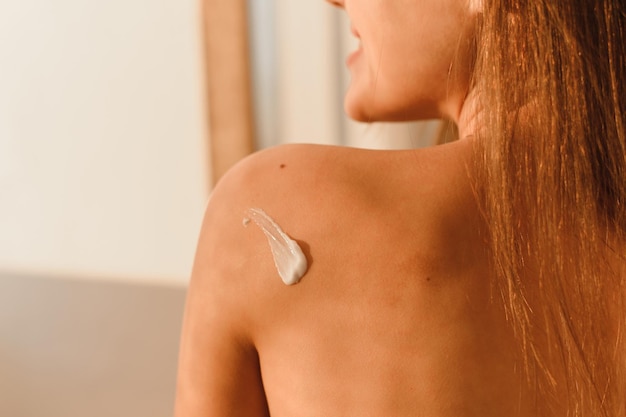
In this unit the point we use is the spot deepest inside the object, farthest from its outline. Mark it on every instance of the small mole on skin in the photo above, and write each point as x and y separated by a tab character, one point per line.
282	166
428	279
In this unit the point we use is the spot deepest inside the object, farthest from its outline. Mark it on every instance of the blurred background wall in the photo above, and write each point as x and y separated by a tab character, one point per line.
102	138
103	182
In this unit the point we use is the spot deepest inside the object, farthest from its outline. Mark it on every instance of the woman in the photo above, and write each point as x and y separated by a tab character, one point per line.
478	278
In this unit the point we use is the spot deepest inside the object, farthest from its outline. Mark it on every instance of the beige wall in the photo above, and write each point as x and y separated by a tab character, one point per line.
309	86
103	178
103	166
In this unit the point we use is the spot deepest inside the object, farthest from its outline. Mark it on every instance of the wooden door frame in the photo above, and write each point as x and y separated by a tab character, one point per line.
228	81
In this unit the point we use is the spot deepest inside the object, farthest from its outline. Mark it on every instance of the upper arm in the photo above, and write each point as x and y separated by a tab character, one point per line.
219	372
235	292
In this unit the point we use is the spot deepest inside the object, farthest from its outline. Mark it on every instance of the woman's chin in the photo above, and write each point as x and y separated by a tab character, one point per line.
361	112
363	109
357	114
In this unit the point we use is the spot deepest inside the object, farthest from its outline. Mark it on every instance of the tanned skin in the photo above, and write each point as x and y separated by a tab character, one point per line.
395	316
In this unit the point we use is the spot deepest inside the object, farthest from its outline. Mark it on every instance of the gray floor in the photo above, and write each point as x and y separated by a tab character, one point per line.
79	348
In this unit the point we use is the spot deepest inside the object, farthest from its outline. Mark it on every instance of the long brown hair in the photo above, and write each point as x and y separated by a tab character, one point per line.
550	76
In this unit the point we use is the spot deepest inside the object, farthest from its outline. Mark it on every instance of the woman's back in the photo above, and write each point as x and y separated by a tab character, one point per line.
395	315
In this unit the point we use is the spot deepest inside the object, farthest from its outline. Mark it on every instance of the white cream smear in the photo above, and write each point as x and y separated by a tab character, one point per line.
288	256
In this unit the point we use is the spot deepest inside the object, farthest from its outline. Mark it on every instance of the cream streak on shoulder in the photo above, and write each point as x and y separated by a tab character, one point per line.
288	256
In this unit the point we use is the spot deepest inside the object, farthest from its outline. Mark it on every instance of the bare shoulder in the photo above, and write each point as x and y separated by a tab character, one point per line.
322	196
287	178
234	279
351	211
302	187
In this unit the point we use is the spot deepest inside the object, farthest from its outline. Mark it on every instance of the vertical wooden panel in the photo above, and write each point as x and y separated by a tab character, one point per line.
229	86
